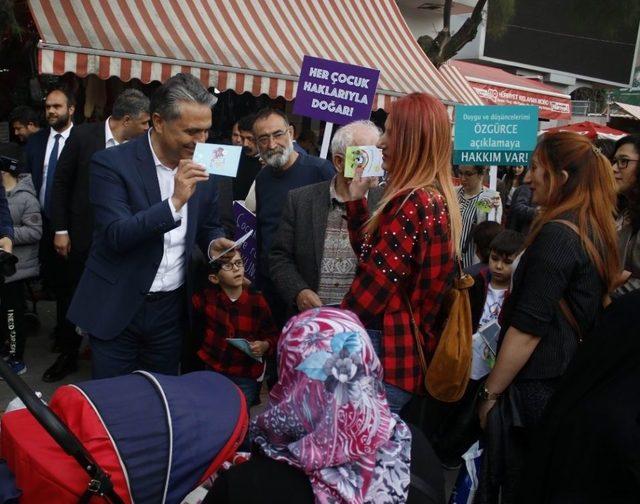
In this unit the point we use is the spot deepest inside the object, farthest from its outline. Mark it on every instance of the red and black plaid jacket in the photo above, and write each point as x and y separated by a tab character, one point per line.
412	250
248	317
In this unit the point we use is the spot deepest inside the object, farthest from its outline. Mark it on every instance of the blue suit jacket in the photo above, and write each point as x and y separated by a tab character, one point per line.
35	149
128	238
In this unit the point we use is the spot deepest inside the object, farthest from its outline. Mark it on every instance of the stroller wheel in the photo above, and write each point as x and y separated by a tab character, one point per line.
31	323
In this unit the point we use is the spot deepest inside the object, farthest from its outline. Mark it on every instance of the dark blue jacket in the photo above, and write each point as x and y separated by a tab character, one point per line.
128	239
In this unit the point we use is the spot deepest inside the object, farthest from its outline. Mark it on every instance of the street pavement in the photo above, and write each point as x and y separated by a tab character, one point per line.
38	357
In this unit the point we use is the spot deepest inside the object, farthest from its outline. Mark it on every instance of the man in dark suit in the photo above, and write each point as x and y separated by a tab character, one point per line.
42	152
151	205
311	260
71	210
24	122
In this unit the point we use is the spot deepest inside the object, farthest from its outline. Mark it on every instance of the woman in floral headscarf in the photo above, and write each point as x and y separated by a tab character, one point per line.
328	435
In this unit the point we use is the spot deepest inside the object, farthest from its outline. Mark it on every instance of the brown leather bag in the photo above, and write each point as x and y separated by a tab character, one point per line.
447	375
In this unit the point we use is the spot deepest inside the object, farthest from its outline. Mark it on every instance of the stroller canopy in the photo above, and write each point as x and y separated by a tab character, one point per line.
168	433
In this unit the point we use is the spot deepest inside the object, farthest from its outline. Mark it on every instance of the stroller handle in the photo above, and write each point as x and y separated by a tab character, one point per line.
59	432
47	418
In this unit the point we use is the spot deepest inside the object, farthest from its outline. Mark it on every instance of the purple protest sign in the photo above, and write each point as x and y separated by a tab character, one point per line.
245	222
335	92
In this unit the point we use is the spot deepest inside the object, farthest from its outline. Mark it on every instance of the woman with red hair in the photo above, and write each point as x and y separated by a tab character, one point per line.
569	266
406	249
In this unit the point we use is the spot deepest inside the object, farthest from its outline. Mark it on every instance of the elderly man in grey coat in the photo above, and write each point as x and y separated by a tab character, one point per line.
311	260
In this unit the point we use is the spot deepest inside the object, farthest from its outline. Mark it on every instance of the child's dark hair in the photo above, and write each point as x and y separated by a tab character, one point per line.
482	236
214	267
507	243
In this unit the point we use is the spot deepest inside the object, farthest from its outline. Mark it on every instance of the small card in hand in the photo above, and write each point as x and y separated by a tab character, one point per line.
243	345
485	348
218	159
367	157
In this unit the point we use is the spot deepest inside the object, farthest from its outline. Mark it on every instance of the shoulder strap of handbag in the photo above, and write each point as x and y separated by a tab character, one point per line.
591	248
415	330
568	314
564	306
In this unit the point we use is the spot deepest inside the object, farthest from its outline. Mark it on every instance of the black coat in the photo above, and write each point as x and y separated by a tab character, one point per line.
262	480
522	211
71	209
587	448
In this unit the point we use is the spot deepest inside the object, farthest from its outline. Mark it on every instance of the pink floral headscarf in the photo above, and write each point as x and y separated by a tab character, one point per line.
328	414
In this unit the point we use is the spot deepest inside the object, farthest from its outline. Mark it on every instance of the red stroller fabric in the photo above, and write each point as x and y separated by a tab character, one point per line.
43	471
156	436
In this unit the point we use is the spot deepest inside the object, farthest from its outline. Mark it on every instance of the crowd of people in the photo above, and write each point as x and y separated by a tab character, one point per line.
136	242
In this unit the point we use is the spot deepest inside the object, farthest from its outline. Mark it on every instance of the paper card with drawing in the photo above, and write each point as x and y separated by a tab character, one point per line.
243	345
218	159
368	157
485	348
237	244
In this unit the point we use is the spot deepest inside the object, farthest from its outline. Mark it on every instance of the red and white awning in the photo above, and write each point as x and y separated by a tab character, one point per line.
625	110
497	87
243	45
589	129
461	87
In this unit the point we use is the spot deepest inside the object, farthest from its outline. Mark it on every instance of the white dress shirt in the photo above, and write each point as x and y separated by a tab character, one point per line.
109	139
172	269
64	135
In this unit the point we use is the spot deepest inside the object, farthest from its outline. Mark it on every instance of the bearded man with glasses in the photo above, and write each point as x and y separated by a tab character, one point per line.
285	169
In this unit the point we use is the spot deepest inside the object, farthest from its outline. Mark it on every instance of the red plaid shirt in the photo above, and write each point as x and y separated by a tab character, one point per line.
410	249
248	317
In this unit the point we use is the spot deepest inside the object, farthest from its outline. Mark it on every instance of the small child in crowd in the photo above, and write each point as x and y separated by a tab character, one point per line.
233	311
491	286
487	296
482	235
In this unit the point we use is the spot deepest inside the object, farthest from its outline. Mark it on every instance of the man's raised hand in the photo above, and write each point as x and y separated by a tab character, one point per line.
187	176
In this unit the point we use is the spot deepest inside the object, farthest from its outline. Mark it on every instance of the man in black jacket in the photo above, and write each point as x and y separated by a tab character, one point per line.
71	211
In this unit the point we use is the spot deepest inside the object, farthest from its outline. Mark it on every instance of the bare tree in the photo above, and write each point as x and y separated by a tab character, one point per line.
445	45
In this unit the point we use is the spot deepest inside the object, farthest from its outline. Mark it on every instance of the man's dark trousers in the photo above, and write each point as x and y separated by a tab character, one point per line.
152	341
56	276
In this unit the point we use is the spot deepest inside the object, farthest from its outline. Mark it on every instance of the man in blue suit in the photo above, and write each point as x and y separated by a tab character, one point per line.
152	204
42	152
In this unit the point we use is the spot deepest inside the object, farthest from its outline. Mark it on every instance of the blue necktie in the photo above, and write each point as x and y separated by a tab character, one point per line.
51	171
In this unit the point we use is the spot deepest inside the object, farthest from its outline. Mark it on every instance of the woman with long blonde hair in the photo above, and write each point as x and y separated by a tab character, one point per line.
406	249
563	277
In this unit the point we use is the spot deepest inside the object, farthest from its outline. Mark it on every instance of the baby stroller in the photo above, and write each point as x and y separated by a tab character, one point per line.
141	438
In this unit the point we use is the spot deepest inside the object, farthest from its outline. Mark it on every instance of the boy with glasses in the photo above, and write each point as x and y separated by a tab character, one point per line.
231	311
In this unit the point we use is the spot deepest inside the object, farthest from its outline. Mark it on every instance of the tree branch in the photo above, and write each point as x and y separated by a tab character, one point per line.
446	16
445	45
466	33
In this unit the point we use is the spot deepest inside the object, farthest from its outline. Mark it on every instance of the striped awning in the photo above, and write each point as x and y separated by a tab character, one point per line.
497	87
464	92
244	45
